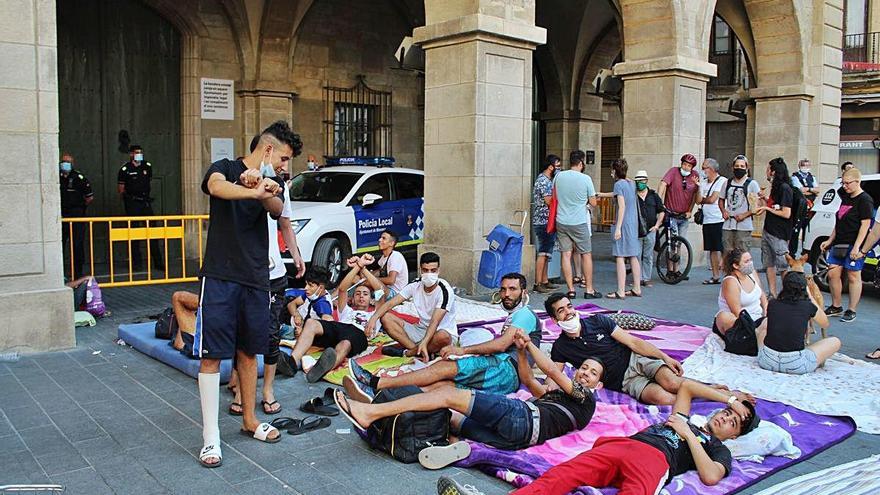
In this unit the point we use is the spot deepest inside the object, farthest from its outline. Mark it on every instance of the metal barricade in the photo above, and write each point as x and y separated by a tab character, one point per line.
113	237
606	212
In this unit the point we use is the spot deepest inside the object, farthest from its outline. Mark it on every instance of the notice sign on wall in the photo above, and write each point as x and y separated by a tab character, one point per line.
222	148
217	99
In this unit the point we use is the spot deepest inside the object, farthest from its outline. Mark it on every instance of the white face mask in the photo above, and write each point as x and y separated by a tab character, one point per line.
139	157
430	279
312	165
313	297
684	173
805	170
747	268
379	295
570	326
266	170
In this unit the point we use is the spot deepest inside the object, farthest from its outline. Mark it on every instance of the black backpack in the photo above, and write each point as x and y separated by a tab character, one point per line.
799	208
740	338
405	435
166	325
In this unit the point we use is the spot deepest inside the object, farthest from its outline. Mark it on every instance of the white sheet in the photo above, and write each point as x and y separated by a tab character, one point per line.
466	310
860	477
843	387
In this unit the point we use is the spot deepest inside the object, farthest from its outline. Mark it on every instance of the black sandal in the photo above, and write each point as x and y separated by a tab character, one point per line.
323	406
307	424
632	293
593	295
233	412
267	405
614	295
571	295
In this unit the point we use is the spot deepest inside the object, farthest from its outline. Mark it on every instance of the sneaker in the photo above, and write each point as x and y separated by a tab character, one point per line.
325	364
833	310
358	372
848	316
357	390
438	457
448	486
286	365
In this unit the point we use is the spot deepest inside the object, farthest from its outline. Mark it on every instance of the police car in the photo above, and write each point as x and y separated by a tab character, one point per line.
343	208
822	219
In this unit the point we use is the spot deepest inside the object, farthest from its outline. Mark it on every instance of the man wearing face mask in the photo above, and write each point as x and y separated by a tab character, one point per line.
680	190
652	211
76	195
133	186
489	366
632	365
738	200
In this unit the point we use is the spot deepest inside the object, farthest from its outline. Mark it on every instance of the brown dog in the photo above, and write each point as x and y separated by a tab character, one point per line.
797	265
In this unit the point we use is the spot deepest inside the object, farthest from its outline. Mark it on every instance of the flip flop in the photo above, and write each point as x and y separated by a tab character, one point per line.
876	354
632	293
262	433
317	405
233	412
347	412
307	424
593	295
283	423
614	295
571	295
267	405
325	363
711	281
441	456
207	451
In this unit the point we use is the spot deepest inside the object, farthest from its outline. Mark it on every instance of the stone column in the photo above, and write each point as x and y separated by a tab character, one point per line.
478	107
577	129
39	309
664	111
782	123
264	102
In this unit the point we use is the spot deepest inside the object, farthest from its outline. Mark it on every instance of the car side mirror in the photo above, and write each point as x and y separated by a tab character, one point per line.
370	199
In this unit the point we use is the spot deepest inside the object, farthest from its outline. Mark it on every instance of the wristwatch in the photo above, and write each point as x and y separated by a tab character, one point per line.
731	400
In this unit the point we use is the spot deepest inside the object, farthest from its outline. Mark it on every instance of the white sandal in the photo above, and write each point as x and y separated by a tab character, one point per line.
262	433
209	451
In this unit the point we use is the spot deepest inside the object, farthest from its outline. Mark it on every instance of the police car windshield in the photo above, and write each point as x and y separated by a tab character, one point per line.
322	187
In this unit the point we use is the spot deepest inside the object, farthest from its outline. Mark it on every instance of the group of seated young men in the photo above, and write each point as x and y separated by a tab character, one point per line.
474	387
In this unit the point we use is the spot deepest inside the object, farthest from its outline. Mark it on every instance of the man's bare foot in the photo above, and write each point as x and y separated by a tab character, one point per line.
356	412
252	427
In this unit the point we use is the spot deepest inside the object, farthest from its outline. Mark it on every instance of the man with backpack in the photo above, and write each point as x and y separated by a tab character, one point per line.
805	188
737	203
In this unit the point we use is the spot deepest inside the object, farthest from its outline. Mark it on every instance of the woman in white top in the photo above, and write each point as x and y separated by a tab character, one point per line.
740	290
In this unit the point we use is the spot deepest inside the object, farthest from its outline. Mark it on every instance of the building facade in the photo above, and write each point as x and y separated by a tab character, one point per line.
471	91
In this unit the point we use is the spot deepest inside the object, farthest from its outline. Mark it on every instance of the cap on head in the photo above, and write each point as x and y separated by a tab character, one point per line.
752	421
689	158
641	174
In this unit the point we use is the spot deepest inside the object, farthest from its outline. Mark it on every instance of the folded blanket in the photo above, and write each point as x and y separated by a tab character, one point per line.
843	387
860	477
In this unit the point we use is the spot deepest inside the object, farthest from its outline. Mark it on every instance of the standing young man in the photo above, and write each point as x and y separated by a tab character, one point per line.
435	303
233	317
133	186
76	195
574	191
680	190
777	223
542	192
738	198
392	265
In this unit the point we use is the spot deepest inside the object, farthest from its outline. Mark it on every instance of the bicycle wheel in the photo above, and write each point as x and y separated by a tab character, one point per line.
674	260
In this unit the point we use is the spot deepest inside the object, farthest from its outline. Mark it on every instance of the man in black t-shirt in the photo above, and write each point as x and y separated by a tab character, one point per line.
233	316
632	366
646	461
777	223
495	419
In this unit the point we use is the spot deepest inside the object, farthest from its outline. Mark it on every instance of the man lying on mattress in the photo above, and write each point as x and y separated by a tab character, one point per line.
489	366
185	305
341	337
643	463
495	419
632	365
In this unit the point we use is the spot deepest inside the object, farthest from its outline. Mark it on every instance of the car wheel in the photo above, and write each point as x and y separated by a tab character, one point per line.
820	272
331	253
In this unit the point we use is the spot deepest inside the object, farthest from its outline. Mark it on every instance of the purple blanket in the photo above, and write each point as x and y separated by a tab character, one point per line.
619	415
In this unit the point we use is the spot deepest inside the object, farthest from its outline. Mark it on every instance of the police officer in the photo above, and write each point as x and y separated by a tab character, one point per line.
133	185
76	194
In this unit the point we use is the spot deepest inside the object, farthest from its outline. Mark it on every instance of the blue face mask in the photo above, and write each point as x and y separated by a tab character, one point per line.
139	157
66	167
266	170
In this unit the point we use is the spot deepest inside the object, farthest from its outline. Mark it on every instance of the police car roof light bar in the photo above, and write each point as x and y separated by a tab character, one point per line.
369	161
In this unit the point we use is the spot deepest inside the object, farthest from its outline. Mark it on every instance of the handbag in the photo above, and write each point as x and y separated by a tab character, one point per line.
740	339
643	227
698	216
551	216
840	251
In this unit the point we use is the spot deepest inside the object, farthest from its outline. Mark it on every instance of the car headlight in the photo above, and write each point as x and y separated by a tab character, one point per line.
299	224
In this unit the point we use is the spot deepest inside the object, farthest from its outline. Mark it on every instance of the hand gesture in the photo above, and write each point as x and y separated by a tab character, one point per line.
250	178
352	262
451	350
422	351
680	426
270	186
366	260
674	365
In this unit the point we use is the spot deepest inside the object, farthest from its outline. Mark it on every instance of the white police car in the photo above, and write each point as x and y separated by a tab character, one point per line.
343	207
822	220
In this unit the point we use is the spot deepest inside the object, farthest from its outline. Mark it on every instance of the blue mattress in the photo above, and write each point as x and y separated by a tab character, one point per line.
141	336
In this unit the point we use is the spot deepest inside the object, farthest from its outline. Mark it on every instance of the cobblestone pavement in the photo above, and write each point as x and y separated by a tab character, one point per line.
103	418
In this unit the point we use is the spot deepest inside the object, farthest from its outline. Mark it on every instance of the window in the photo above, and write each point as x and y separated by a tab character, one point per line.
722	37
855	17
322	187
377	184
357	121
409	186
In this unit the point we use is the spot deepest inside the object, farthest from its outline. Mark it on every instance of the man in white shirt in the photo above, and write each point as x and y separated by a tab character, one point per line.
392	265
434	301
711	188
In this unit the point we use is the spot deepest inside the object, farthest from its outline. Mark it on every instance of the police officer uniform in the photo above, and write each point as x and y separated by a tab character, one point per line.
75	190
136	198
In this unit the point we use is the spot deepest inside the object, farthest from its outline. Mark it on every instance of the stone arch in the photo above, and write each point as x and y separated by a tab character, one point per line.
734	14
778	42
602	55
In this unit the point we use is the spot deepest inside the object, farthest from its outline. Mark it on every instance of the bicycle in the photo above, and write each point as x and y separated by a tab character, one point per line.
672	249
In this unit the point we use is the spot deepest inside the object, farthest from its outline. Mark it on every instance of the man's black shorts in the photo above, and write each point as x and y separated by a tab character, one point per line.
231	316
335	332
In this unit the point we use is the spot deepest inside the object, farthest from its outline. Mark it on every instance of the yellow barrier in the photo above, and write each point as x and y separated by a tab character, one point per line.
606	212
114	230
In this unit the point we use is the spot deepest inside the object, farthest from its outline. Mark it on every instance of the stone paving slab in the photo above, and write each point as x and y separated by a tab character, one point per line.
116	421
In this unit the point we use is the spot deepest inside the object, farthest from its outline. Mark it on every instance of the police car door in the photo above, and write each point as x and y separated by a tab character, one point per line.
409	195
372	215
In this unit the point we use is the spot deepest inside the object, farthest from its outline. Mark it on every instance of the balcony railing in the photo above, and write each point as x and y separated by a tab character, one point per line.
861	52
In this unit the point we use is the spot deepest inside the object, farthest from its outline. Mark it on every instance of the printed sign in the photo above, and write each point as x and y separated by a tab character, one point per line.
403	217
222	148
217	99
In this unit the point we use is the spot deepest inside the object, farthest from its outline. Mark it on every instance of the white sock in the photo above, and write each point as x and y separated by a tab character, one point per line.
209	394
